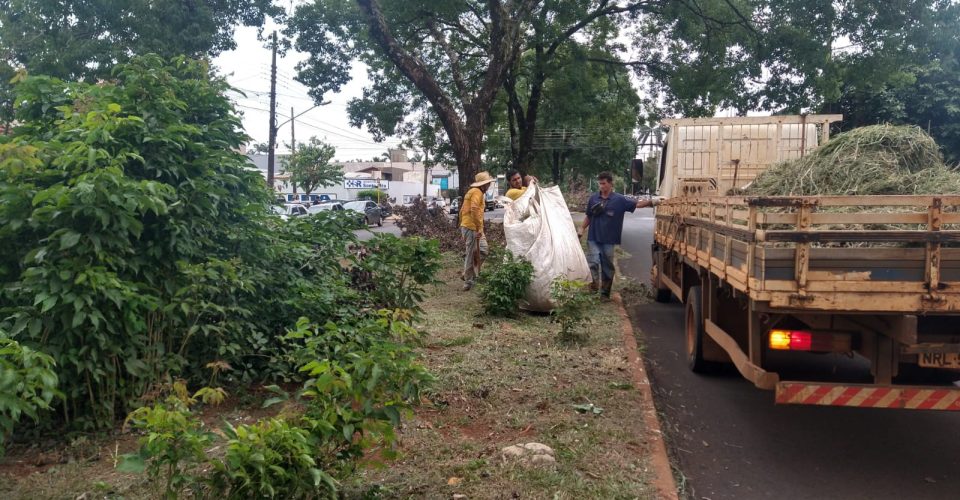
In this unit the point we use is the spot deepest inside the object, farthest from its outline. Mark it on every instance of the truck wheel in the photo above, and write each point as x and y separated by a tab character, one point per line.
694	332
661	293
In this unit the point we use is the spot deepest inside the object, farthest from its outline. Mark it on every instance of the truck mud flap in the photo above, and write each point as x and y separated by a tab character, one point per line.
869	396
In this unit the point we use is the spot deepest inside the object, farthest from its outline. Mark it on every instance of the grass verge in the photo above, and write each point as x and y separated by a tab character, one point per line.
501	382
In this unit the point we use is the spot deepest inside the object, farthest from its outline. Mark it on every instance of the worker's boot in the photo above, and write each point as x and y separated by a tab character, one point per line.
594	286
605	288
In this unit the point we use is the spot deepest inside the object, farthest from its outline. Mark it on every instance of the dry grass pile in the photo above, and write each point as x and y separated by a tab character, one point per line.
874	160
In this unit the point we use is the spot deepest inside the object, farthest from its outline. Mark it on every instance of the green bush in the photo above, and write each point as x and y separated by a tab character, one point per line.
573	304
173	447
28	384
372	194
360	377
503	282
139	246
115	198
270	459
396	271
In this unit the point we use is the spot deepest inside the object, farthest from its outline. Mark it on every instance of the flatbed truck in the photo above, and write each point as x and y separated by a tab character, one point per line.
872	277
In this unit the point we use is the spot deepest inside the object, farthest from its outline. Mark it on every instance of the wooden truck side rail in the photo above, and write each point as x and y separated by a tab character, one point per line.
879	273
794	251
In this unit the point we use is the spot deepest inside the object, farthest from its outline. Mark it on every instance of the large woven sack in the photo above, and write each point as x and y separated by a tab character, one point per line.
538	227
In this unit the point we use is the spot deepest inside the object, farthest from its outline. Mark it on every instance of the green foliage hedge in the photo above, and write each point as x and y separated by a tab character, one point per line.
139	247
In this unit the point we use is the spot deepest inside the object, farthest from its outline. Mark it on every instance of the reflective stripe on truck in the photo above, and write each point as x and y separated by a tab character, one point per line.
869	396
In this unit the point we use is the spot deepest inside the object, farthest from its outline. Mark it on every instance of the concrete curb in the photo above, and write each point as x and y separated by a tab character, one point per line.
663	481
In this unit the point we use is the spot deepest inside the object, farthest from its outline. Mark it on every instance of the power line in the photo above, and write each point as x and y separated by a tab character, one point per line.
343	134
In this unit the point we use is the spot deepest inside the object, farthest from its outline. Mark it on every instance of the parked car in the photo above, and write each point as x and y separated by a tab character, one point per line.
288	210
386	210
370	211
490	204
323	207
455	206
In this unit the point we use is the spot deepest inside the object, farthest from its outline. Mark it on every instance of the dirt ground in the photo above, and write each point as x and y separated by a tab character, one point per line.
502	382
83	467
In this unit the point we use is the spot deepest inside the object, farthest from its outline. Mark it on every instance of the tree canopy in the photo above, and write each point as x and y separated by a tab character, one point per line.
309	166
586	114
84	39
922	89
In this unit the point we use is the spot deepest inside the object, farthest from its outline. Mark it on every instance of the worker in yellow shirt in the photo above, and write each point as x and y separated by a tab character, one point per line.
518	184
471	228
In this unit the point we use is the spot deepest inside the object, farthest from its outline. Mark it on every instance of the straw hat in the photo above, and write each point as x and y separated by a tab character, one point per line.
481	179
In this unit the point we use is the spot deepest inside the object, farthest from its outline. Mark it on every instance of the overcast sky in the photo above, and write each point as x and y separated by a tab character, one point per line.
248	69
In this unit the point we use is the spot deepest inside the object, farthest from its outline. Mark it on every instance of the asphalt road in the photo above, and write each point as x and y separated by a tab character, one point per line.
729	440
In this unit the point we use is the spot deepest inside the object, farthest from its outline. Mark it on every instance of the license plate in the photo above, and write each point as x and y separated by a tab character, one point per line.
940	360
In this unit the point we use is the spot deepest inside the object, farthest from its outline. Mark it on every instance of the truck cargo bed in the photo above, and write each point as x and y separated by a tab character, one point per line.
824	253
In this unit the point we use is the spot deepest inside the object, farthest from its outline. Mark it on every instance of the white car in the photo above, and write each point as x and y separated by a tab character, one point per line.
323	207
289	210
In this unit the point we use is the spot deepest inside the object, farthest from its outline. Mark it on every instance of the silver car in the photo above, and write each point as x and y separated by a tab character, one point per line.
369	210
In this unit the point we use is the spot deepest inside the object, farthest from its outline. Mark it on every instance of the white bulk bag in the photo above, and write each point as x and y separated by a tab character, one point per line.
539	228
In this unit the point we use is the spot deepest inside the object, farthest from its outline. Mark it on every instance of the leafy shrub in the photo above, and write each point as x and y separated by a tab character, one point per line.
573	303
139	244
270	459
28	384
503	282
174	443
398	270
360	377
115	198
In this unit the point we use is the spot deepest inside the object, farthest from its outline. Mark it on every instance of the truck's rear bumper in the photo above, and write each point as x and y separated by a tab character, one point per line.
869	396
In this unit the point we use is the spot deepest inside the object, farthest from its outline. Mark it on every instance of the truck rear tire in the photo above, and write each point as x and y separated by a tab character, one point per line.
694	332
661	293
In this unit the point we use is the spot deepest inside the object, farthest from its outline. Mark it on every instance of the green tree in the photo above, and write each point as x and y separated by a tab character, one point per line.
922	90
310	166
84	39
585	114
450	57
785	56
259	148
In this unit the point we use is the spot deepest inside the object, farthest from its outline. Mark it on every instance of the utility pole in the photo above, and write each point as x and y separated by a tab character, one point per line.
272	143
293	145
293	136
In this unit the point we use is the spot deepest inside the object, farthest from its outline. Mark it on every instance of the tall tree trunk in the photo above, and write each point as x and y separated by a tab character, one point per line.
466	140
469	160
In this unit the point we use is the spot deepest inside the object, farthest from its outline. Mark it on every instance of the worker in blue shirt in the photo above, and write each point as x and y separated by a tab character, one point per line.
604	220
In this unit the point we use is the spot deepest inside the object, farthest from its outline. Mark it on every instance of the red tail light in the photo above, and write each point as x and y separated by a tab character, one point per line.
802	340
